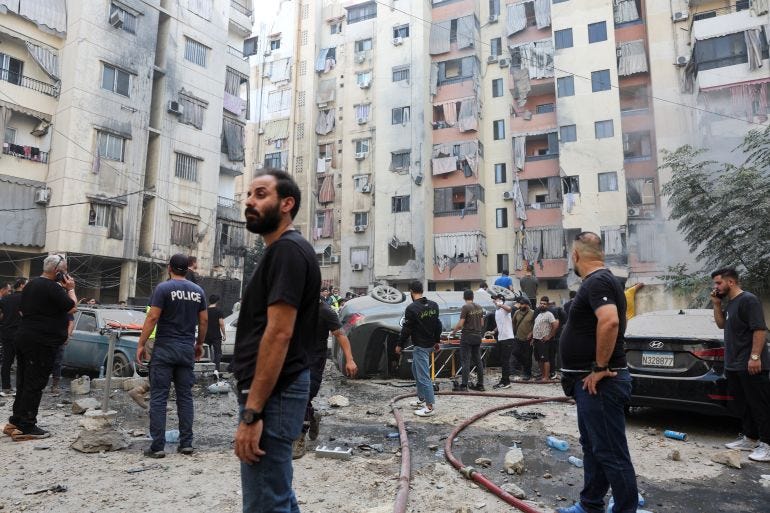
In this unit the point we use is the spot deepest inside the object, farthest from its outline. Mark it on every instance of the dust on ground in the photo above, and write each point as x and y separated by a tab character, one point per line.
210	480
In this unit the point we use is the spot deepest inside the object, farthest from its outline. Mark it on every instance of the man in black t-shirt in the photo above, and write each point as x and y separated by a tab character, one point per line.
45	303
747	361
9	315
471	323
276	332
594	372
215	333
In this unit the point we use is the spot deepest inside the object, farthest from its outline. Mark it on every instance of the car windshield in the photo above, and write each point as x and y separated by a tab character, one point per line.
127	319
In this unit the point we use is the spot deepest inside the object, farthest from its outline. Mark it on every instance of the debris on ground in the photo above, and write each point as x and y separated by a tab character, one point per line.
339	453
54	489
100	440
514	490
675	455
527	415
220	387
764	480
81	406
371	447
729	458
136	470
483	462
514	461
339	401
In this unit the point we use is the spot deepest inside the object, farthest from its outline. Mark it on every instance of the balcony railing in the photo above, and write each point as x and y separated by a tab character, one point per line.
241	8
462	212
235	51
228	209
535	158
30	83
544	205
26	153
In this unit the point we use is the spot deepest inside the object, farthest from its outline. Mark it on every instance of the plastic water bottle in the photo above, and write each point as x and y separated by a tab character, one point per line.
575	461
101	371
172	436
559	445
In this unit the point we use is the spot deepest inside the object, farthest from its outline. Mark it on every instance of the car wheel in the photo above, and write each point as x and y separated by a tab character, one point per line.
497	289
121	366
388	294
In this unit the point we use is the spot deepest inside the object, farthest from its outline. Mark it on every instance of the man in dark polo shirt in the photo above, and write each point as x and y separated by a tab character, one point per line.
276	333
594	372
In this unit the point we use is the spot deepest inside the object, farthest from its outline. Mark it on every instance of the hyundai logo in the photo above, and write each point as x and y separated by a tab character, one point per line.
656	344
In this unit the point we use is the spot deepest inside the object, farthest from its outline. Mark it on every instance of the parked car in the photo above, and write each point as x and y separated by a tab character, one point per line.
676	359
88	345
373	324
231	326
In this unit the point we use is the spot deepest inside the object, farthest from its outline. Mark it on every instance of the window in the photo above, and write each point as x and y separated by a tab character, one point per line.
195	52
497	88
460	200
496	46
400	160
362	12
10	69
565	86
273	160
99	215
544	108
453	31
498	129
597	32
502	262
634	98
363	45
571	184
186	167
362	146
361	218
457	70
640	191
400	73
728	50
275	44
193	111
401	31
115	80
562	39
500	174
608	181
494	7
637	145
10	135
362	112
336	27
600	80
359	182
183	233
364	78
604	129
568	133
127	20
86	322
110	146
501	217
400	115
399	204
279	100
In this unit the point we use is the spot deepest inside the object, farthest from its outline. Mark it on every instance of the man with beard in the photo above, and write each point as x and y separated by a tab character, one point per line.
595	373
276	332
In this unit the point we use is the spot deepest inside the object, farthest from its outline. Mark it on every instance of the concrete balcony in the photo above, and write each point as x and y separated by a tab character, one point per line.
241	17
229	209
541	166
552	268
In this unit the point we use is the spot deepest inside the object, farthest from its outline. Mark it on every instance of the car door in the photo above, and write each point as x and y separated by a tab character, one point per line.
83	350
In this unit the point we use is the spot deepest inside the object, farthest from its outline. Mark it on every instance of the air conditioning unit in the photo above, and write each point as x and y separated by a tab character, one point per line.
491	59
362	121
634	212
366	188
680	15
358	267
334	259
365	85
361	155
418	180
397	41
508	195
361	58
268	52
682	60
42	196
493	18
503	63
175	108
116	19
359	229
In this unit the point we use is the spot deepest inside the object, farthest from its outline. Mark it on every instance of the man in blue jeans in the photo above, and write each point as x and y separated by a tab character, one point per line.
422	325
177	306
276	333
595	373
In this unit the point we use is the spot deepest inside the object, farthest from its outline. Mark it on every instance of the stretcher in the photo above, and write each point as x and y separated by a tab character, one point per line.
445	359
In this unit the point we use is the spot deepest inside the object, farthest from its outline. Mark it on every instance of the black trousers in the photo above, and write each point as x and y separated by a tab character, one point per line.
522	351
9	354
317	365
470	354
751	402
506	350
216	352
34	363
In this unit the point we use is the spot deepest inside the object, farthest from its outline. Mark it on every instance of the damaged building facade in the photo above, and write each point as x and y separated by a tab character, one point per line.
124	134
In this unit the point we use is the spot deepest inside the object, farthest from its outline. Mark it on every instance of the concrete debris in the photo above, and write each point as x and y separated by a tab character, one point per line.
80	406
138	432
130	383
514	461
483	462
339	401
728	458
41	447
514	490
98	383
340	453
433	447
220	387
95	420
675	455
81	385
100	440
547	475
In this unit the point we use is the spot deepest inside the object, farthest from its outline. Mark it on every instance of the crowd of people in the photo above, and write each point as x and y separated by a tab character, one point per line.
281	350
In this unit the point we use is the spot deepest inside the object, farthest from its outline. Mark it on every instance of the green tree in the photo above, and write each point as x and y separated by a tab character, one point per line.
253	255
723	210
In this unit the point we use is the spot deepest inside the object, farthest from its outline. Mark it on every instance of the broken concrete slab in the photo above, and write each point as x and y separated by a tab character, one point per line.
100	440
95	420
728	458
483	462
98	383
514	461
340	453
339	401
80	406
514	490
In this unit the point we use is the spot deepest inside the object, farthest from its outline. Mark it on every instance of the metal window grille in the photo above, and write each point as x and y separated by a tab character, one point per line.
128	19
195	52
400	74
401	160
186	167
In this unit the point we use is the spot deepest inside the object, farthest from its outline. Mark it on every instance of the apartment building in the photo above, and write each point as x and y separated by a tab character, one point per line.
124	132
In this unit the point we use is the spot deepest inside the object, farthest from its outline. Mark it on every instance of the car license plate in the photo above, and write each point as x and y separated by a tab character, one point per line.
657	359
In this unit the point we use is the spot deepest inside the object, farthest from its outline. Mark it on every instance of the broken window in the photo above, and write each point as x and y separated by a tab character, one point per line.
399	204
400	160
600	80
640	191
457	200
401	31
498	129
501	217
637	145
361	218
400	255
360	182
183	233
497	88
400	115
273	160
571	184
500	173
634	98
502	262
614	240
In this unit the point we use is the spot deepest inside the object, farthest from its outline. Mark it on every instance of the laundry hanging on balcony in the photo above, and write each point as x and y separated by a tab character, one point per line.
326	192
451	249
542	13
439	37
326	120
754	48
276	129
632	58
518	199
232	134
625	11
519	152
327	59
326	90
469	115
444	165
466	31
327	231
450	112
535	56
520	85
516	18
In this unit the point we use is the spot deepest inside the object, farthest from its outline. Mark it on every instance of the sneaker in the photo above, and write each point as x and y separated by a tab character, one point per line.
315	425
761	453
149	453
137	394
743	443
501	385
187	451
298	447
478	388
9	429
34	433
575	508
8	392
424	412
417	404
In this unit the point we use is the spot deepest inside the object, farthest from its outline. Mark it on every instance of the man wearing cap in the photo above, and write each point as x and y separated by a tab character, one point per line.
177	307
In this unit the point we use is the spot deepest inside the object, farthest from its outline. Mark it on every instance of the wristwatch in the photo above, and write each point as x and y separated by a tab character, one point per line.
595	367
249	416
754	357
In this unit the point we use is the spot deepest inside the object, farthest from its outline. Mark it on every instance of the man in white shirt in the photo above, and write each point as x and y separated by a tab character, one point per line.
543	333
504	333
